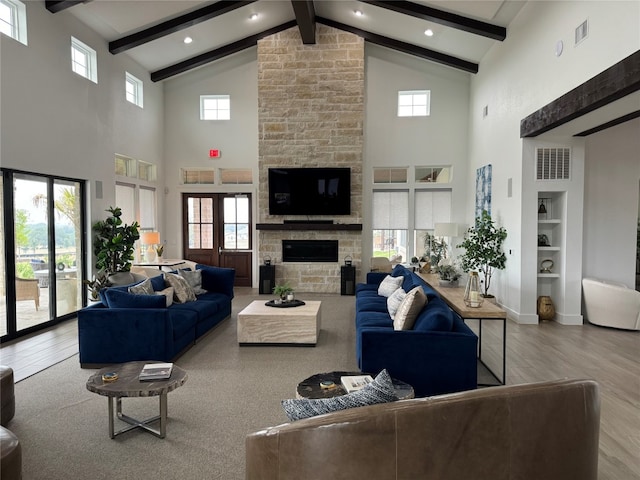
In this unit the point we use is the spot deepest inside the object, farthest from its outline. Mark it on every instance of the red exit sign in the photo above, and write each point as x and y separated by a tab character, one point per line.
214	153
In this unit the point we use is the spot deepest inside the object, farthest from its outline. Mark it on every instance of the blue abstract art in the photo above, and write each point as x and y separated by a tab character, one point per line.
483	190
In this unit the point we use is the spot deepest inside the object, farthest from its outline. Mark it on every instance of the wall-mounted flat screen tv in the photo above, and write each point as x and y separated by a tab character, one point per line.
309	191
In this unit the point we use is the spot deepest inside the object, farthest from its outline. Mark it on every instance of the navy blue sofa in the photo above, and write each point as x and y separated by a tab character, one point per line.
143	328
437	356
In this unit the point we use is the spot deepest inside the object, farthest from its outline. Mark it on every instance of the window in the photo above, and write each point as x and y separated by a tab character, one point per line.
191	176
236	222
431	207
440	174
215	107
414	103
84	60
133	89
146	171
390	223
389	175
125	166
13	20
236	176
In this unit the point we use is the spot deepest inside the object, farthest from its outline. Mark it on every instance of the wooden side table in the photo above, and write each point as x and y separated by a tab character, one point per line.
128	385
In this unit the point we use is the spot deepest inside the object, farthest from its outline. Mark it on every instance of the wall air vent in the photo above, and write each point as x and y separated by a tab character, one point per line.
582	31
553	163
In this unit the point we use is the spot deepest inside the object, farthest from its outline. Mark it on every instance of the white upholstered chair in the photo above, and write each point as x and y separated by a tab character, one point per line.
381	264
611	304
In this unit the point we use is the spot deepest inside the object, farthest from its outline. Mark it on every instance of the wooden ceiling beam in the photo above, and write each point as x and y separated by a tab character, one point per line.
217	54
55	6
404	47
175	25
441	17
610	85
306	18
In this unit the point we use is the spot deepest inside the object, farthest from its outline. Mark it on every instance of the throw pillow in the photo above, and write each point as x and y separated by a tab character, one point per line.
182	293
121	299
388	285
142	288
379	391
394	301
409	309
194	279
168	293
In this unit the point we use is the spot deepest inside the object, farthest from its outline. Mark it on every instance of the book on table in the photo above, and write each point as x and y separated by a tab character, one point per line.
156	371
353	383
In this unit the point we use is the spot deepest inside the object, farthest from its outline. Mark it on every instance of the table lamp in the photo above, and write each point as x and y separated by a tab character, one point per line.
149	240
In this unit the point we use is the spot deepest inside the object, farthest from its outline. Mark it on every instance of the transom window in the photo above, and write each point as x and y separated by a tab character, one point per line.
133	89
414	103
13	20
84	60
215	107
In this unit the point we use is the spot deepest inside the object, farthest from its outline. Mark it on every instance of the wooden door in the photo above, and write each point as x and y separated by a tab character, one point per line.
216	231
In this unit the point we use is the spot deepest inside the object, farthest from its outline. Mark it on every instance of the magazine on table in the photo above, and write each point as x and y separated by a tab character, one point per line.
156	371
353	383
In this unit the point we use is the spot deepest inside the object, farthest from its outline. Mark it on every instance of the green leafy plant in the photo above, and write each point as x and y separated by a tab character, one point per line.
24	270
448	272
434	250
160	249
100	280
114	243
282	290
483	249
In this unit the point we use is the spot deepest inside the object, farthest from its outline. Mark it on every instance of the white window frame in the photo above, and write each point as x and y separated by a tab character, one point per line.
90	70
17	24
414	103
218	112
133	89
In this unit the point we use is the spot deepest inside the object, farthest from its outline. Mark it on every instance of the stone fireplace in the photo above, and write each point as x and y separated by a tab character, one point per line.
311	114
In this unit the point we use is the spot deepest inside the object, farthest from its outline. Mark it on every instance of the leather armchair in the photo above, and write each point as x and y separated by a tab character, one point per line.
537	431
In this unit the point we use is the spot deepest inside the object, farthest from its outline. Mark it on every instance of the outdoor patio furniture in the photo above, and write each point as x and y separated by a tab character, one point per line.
28	289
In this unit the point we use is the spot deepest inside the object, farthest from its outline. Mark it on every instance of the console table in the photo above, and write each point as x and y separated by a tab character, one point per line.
488	311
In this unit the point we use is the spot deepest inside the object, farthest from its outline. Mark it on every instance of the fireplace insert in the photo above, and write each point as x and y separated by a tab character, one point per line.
309	250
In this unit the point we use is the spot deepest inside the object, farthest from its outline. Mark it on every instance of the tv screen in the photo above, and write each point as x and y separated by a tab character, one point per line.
309	191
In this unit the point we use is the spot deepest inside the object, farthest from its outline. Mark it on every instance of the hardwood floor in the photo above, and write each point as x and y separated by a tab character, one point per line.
535	353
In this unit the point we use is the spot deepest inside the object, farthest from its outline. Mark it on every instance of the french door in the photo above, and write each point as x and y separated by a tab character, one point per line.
216	230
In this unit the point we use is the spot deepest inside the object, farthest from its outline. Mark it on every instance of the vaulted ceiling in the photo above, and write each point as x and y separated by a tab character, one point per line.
153	32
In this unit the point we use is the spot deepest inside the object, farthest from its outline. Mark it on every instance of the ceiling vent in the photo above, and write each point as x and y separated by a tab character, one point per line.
553	163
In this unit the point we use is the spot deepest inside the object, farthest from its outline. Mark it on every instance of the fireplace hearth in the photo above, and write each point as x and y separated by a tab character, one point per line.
309	250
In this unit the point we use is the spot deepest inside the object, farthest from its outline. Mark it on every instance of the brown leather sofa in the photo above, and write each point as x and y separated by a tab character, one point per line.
534	431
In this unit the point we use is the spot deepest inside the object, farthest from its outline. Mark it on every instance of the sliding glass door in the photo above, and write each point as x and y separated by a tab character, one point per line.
42	251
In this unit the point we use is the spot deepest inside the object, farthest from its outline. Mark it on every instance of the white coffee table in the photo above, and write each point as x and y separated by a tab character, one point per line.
259	324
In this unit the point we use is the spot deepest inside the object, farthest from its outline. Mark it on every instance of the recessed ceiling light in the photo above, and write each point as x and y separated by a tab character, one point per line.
253	16
428	32
358	13
188	40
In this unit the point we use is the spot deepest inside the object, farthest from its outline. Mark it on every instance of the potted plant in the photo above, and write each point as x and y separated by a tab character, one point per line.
483	250
282	291
100	280
114	244
435	250
448	274
159	251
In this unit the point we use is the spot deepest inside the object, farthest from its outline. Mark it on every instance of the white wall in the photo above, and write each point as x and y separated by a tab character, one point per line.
56	122
611	199
188	139
438	139
516	78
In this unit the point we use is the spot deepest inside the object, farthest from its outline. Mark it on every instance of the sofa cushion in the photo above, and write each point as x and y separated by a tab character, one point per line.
194	279
202	308
436	316
372	304
379	391
394	301
118	299
373	319
409	309
389	285
168	294
183	292
158	283
143	288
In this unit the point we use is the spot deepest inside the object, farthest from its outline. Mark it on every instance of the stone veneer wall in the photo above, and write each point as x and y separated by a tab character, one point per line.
310	114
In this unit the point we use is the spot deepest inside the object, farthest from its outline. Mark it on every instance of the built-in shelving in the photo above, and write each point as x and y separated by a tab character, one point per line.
310	226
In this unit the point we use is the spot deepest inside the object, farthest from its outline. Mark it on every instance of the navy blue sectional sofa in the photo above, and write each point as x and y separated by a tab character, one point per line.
438	355
142	327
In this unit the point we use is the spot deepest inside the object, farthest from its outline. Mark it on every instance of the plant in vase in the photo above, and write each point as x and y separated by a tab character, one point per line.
483	250
434	250
448	274
283	291
159	252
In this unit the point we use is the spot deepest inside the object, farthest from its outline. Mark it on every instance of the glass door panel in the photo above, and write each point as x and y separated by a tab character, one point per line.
3	267
68	241
31	226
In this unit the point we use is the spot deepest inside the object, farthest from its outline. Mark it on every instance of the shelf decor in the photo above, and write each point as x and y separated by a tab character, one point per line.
472	295
546	266
546	309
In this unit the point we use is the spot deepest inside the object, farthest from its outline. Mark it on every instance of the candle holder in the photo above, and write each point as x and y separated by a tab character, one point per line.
472	295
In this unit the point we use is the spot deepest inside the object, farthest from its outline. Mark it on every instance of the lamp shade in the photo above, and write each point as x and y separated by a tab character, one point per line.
150	238
446	230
